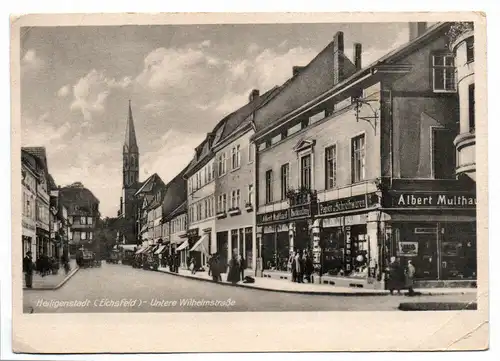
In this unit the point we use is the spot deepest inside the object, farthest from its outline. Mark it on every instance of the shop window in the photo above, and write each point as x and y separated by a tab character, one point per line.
443	73
358	158
305	171
330	167
443	153
472	109
285	174
248	247
269	186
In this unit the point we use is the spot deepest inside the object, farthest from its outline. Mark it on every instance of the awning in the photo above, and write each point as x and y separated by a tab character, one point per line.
317	223
141	250
161	248
183	246
201	245
128	247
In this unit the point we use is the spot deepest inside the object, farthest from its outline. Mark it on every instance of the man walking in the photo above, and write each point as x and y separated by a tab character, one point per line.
28	270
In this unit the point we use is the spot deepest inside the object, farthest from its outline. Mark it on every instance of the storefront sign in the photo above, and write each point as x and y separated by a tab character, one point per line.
29	226
271	217
408	249
192	233
347	204
423	200
300	211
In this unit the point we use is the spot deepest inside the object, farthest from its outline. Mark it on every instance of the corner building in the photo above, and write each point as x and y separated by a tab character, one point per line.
357	165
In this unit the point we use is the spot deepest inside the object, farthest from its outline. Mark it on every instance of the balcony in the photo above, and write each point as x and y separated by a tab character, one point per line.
234	211
221	215
249	207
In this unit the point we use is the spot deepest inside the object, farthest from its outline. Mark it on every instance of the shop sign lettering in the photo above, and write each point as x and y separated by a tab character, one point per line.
347	204
300	211
28	226
277	216
408	249
433	200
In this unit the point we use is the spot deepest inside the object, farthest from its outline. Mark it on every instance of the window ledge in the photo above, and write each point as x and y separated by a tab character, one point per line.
221	215
235	169
234	211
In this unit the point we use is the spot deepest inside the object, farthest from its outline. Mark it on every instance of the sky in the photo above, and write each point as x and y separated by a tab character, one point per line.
76	83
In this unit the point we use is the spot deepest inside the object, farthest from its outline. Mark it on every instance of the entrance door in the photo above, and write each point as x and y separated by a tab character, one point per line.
302	237
222	247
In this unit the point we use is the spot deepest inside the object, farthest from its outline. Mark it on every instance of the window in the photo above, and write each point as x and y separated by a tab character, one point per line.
83	236
250	194
443	153
90	235
296	128
83	220
269	186
222	164
238	196
276	139
70	235
262	146
330	167
285	174
358	158
251	150
305	171
209	172
205	203
235	157
212	165
472	110
233	199
224	202
89	220
443	73
470	49
198	211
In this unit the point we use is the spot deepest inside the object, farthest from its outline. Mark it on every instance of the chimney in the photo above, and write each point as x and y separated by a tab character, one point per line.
338	57
417	29
254	94
297	69
357	56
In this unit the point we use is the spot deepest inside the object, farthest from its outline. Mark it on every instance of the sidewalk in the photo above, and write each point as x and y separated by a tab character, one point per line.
52	282
275	285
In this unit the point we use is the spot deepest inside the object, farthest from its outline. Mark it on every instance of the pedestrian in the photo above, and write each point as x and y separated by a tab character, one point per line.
242	266
299	269
409	278
192	265
233	274
209	264
215	267
293	269
308	266
394	281
28	269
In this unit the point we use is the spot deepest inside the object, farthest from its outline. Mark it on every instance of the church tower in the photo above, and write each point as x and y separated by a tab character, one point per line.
130	171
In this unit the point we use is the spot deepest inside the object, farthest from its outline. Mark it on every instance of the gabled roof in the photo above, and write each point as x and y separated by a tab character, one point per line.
387	62
176	212
40	155
321	74
149	184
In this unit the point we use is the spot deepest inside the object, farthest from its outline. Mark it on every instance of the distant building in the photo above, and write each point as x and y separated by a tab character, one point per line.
148	197
129	204
83	213
59	225
29	179
37	159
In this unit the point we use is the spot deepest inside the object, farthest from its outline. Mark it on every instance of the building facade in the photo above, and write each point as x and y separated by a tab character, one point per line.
200	178
462	45
28	182
234	183
177	222
363	168
83	214
59	225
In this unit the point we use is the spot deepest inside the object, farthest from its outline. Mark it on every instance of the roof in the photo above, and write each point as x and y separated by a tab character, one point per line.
176	212
130	143
243	115
77	195
326	70
149	184
389	59
175	193
40	154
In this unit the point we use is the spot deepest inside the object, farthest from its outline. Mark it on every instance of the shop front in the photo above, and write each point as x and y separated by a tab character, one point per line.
346	237
437	233
200	245
29	237
275	241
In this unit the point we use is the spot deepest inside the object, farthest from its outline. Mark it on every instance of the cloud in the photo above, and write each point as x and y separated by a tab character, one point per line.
31	62
63	91
174	67
91	91
38	131
205	44
172	152
252	48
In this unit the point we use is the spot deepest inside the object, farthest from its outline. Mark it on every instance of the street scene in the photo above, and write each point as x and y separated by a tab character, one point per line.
234	168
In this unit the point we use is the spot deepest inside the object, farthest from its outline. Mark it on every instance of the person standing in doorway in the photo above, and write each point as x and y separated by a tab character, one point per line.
242	266
233	274
28	269
299	269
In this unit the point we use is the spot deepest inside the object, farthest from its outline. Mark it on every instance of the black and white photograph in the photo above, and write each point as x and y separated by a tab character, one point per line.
248	167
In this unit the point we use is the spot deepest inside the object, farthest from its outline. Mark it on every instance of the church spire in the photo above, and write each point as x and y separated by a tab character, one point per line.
130	140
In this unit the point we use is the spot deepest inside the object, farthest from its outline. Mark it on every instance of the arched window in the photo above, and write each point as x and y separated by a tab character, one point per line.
132	161
125	161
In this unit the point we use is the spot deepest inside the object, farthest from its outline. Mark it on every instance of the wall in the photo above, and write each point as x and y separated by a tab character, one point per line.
338	130
237	179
